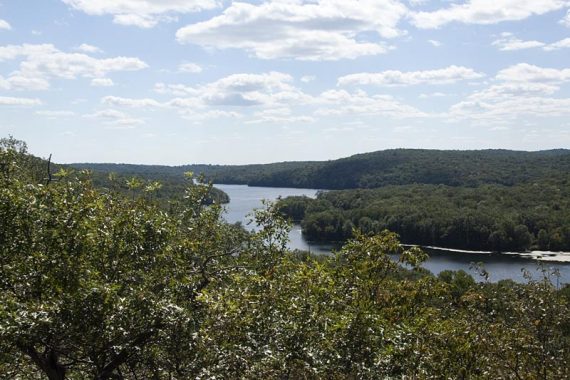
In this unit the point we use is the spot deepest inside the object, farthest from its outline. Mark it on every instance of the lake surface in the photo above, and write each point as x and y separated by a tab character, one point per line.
244	199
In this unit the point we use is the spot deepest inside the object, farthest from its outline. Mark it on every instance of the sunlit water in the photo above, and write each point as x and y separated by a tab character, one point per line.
244	199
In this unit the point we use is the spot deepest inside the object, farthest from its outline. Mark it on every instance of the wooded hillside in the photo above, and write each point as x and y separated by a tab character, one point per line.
382	168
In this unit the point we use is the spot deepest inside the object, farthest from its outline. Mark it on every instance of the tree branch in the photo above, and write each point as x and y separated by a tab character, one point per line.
48	181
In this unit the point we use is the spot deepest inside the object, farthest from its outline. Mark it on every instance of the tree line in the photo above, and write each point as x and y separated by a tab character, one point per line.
383	168
489	217
163	183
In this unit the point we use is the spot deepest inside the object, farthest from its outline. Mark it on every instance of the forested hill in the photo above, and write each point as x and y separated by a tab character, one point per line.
170	182
166	185
382	168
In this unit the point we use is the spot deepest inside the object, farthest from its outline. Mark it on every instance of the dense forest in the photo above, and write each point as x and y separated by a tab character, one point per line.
383	168
163	182
97	283
494	200
490	217
409	166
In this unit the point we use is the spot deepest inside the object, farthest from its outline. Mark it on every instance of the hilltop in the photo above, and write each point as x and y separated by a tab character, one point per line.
377	169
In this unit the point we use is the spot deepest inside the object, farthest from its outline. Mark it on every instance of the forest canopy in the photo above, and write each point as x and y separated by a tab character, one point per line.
496	200
383	168
489	217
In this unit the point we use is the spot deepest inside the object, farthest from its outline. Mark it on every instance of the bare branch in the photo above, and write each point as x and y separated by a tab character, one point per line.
48	181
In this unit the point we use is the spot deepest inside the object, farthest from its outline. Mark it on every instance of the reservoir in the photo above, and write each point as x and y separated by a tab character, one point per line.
244	199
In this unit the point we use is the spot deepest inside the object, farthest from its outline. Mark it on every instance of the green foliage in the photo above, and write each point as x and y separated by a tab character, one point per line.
15	162
294	207
162	185
486	200
91	280
489	217
353	317
109	285
384	168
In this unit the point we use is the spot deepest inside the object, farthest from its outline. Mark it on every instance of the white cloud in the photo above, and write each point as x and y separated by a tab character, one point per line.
242	90
562	44
522	90
107	114
192	115
446	75
266	98
253	89
142	21
5	25
127	122
114	117
282	115
133	103
18	82
510	107
310	30
102	82
39	63
10	101
508	42
432	95
435	43
141	13
507	89
308	78
189	67
415	3
55	114
4	84
174	89
185	104
526	73
86	48
191	108
341	102
566	20
485	12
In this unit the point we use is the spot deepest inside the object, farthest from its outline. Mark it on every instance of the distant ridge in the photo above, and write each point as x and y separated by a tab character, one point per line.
377	169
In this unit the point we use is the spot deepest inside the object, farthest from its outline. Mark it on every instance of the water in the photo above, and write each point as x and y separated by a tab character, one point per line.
499	266
244	199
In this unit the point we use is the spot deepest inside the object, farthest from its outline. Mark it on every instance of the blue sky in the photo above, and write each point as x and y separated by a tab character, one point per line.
211	81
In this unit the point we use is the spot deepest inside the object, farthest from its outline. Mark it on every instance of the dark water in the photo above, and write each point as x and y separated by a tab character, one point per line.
245	199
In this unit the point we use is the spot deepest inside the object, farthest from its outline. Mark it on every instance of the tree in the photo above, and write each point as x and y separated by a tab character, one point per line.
543	240
90	281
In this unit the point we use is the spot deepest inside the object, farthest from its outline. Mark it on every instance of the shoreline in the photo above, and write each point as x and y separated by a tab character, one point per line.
547	256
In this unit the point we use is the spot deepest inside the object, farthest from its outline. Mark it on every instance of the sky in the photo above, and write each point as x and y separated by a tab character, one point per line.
234	82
